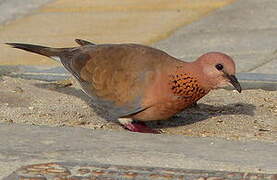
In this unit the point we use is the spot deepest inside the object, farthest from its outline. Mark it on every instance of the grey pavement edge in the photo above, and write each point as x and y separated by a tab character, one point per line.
11	9
23	145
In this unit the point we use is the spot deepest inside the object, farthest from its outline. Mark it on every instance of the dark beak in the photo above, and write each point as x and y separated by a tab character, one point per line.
234	81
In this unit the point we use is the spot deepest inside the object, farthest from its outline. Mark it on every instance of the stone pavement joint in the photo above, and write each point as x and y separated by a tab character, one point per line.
90	171
267	60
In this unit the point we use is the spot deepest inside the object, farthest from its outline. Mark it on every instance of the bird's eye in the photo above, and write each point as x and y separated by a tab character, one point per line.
219	67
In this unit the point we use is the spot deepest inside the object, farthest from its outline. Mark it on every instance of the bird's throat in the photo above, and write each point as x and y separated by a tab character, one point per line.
185	87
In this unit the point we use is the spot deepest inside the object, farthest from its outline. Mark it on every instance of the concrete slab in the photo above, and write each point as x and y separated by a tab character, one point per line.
245	30
24	145
242	46
243	15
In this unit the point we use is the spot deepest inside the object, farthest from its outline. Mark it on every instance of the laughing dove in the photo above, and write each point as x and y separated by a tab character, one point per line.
138	83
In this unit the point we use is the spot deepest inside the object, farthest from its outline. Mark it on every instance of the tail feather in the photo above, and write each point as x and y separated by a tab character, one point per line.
42	50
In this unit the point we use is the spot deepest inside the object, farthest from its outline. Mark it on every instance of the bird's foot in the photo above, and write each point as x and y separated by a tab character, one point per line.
138	126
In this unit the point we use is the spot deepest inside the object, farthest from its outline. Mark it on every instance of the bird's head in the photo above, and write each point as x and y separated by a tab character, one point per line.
218	70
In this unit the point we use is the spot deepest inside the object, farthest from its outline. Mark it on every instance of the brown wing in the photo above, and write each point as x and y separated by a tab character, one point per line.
115	76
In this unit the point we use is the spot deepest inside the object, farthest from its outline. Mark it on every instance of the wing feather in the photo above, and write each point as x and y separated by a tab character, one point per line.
115	76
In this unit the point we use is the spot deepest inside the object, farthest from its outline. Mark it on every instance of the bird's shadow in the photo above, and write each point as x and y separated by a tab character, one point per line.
201	112
191	115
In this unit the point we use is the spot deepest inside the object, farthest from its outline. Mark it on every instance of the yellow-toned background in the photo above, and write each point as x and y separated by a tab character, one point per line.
101	21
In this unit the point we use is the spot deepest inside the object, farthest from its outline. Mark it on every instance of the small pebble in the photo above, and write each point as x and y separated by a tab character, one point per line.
31	107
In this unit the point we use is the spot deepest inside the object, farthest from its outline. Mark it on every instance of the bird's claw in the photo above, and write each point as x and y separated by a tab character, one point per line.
140	127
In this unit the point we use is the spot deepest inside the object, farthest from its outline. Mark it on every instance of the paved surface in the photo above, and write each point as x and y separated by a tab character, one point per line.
28	145
244	29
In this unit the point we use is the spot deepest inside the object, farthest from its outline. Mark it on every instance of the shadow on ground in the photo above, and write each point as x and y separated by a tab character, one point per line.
201	112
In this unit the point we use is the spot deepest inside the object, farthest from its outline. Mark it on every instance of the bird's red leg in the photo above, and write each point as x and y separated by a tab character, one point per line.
136	126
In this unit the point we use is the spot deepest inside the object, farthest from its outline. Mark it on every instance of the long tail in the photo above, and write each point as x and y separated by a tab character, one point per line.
54	53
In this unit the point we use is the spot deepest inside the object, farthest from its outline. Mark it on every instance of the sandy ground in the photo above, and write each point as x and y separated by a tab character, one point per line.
251	115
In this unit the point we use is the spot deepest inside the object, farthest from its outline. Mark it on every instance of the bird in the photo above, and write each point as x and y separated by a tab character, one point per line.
138	83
